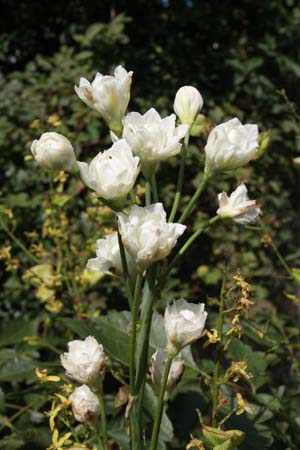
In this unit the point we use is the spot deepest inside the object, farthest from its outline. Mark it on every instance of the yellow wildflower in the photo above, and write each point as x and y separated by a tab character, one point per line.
44	377
242	405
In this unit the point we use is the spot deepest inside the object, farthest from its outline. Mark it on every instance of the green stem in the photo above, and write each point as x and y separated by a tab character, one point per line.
160	405
100	442
18	242
135	310
146	319
188	243
180	178
154	188
193	200
277	253
102	417
216	375
125	270
281	259
132	196
148	193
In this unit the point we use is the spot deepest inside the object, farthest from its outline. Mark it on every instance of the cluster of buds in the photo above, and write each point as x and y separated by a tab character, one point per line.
85	363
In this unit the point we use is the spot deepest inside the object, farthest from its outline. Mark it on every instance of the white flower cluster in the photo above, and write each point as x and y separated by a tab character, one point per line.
85	363
140	143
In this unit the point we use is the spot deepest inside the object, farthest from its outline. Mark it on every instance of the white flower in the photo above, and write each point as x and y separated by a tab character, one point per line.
85	361
111	174
184	323
157	366
152	138
238	206
147	235
108	95
109	257
230	145
53	151
188	102
85	404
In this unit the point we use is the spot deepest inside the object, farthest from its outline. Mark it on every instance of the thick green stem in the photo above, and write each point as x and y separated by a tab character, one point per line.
193	200
154	188
188	243
160	405
102	418
18	242
125	270
180	178
148	193
135	311
216	375
147	311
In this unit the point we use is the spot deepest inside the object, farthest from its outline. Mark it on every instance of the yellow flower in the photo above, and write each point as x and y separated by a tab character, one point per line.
242	405
58	442
44	377
54	120
213	337
5	252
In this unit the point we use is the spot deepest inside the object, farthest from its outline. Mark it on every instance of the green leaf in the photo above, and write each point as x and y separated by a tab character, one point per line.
112	332
150	405
13	331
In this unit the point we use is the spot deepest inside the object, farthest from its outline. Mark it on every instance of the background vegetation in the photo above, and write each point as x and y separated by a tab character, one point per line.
244	58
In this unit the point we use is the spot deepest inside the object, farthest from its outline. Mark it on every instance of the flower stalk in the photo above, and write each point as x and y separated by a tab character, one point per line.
216	374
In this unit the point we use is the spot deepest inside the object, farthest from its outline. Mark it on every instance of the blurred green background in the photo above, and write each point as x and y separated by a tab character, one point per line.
244	57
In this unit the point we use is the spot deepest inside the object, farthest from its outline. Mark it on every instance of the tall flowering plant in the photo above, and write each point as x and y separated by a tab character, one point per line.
138	253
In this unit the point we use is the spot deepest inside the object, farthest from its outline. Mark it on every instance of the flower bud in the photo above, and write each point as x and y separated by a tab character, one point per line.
54	152
188	102
230	146
85	362
238	206
111	174
109	257
147	235
184	323
157	367
108	95
85	405
152	138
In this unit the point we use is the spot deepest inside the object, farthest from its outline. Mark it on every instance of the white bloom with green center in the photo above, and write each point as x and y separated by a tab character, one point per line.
238	206
54	152
111	173
188	102
108	95
85	361
147	235
85	404
230	145
184	323
109	257
152	138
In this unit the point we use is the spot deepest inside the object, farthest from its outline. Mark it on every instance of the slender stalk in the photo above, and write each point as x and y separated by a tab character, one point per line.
160	405
278	254
281	259
100	442
132	196
147	312
125	270
148	193
178	193
135	310
18	242
135	428
216	375
193	200
188	243
102	417
154	188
